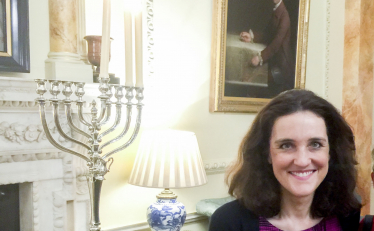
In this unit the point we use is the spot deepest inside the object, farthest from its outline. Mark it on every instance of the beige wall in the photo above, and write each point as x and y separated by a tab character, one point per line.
177	97
177	94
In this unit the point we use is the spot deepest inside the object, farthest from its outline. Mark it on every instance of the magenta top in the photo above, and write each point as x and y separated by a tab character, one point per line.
326	224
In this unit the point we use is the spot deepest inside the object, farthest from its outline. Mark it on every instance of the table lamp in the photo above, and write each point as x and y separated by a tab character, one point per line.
167	159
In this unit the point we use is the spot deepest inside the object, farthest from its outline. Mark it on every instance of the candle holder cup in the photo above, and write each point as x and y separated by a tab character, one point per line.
94	56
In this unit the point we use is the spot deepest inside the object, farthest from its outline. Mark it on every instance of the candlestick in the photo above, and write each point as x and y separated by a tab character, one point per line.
128	49
139	49
105	42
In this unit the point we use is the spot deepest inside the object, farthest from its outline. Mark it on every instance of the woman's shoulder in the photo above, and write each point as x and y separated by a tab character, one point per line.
350	221
233	216
233	206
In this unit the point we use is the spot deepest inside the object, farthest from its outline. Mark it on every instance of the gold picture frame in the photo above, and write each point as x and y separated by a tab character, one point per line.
249	94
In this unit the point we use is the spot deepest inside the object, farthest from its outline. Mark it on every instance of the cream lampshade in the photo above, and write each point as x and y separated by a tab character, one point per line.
168	159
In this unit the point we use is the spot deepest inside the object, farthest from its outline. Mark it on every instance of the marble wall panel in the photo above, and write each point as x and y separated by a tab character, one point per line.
358	86
63	26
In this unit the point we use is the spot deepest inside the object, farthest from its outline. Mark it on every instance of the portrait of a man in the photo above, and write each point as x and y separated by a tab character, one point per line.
260	47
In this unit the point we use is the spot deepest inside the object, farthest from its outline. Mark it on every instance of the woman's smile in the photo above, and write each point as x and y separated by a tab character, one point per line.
302	175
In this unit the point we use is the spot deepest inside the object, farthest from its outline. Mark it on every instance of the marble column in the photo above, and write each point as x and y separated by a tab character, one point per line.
81	22
358	86
65	59
63	26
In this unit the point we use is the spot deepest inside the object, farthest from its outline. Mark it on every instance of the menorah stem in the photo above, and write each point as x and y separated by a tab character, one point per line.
59	129
80	114
70	121
94	186
133	136
49	136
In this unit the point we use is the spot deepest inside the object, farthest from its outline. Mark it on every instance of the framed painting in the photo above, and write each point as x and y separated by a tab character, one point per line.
258	51
14	36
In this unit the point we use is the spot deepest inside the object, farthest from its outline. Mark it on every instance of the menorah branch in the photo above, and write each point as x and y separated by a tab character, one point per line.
59	129
50	137
132	138
124	131
116	122
70	121
80	114
108	113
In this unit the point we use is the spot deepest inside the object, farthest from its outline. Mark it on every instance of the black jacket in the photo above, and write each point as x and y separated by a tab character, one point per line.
235	217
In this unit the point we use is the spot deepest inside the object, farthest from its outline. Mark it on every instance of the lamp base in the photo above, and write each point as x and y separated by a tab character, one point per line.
166	214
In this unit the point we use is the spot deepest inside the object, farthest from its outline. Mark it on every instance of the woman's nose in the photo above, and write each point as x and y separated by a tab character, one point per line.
302	157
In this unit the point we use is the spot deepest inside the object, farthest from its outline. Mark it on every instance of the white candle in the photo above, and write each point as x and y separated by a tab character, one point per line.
139	50
105	40
128	49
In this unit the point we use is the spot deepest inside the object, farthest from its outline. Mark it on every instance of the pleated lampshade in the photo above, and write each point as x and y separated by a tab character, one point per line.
168	159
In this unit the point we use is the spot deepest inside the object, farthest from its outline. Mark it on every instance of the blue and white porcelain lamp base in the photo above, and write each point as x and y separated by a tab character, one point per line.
166	214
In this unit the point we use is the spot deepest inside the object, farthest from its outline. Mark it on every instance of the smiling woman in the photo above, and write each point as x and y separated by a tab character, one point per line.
295	170
299	153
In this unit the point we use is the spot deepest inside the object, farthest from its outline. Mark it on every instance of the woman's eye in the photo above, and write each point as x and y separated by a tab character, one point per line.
316	145
286	146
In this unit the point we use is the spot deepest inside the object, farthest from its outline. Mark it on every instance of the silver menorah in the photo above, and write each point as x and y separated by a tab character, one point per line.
97	161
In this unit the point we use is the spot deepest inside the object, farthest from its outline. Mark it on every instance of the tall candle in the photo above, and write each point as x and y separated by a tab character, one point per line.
128	49
105	40
139	49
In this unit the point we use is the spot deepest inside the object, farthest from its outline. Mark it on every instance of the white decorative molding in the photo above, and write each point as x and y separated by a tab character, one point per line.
21	104
82	187
35	198
23	156
327	48
150	41
27	106
191	218
58	212
216	166
60	198
20	133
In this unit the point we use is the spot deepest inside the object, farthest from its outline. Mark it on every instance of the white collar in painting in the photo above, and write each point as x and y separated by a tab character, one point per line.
276	6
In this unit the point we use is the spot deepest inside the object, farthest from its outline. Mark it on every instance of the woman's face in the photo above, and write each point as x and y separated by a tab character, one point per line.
299	153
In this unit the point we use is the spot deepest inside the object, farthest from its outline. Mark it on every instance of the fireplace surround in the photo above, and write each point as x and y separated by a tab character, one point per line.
53	193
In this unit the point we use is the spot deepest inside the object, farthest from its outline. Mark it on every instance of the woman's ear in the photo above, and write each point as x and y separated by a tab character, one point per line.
269	159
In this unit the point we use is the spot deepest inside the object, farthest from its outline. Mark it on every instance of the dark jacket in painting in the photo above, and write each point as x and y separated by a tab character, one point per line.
278	51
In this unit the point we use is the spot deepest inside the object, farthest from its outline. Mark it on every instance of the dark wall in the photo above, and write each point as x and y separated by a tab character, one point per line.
243	15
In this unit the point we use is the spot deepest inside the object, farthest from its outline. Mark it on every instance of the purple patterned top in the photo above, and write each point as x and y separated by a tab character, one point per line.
326	224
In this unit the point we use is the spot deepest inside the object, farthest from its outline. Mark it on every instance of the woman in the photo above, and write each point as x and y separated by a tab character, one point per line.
295	170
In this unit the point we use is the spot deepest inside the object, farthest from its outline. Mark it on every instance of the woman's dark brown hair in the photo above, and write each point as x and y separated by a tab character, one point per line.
251	179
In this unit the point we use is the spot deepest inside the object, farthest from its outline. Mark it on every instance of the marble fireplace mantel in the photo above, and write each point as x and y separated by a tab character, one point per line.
53	189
